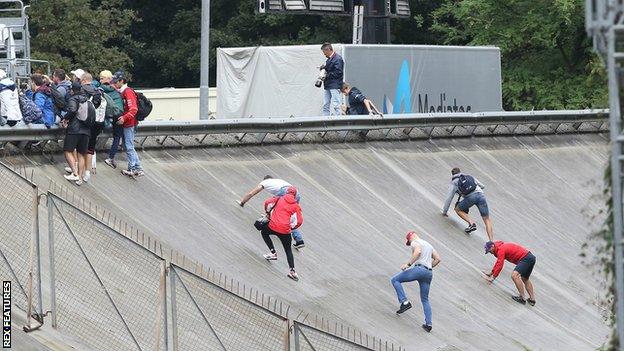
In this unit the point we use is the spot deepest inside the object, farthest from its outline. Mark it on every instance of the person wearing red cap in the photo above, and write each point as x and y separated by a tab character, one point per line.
284	215
418	267
524	261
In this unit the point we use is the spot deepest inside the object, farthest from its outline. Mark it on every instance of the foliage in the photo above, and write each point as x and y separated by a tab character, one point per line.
547	60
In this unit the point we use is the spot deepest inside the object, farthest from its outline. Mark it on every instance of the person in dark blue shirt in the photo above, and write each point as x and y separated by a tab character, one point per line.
359	104
334	75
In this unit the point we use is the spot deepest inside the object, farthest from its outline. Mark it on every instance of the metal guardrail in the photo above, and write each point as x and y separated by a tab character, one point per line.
327	124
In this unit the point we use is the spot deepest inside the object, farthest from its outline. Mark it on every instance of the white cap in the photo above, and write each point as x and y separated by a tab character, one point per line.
2	74
78	73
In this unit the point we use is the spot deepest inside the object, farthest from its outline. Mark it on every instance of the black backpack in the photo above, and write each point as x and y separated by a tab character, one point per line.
57	98
144	105
466	184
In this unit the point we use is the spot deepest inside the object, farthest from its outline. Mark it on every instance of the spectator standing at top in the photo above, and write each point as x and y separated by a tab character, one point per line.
524	261
77	132
334	75
105	85
61	83
129	122
9	100
42	96
278	188
95	95
471	190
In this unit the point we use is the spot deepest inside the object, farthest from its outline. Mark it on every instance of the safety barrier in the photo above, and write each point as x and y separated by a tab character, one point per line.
106	289
308	338
19	239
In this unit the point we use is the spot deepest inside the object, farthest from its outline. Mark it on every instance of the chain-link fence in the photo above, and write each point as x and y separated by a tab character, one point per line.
19	239
106	289
308	338
207	316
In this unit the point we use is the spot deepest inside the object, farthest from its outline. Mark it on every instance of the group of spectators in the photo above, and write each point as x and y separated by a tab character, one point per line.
83	106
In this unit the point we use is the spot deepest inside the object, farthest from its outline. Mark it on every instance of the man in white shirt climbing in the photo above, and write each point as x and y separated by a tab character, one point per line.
276	187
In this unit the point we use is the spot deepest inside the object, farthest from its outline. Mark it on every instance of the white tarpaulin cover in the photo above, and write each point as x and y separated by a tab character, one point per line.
269	81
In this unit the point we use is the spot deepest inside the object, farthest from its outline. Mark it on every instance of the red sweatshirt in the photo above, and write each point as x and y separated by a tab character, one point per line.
506	251
285	214
131	107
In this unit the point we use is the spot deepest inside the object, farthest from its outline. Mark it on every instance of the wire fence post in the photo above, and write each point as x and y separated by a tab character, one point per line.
50	205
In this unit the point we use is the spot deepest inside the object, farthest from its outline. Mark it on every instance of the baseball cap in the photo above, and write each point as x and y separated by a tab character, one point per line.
119	75
78	73
488	246
408	237
106	74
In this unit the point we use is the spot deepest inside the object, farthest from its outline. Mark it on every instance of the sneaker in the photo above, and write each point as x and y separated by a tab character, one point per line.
36	143
404	307
293	275
71	177
531	302
519	299
127	173
427	328
138	173
86	176
471	228
299	245
270	256
79	182
68	170
111	162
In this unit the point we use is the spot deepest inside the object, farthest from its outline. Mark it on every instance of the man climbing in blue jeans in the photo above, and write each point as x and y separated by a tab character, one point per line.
276	187
418	267
471	190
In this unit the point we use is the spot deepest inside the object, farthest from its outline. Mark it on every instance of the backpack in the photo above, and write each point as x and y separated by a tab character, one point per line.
57	98
145	106
83	114
100	112
30	111
112	110
466	184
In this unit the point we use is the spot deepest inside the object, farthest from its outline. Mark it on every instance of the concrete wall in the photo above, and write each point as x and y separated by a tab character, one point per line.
178	104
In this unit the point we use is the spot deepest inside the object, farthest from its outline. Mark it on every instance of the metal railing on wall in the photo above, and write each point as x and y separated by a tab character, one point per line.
19	240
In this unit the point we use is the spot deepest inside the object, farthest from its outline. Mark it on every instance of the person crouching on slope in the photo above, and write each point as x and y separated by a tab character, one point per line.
524	260
284	215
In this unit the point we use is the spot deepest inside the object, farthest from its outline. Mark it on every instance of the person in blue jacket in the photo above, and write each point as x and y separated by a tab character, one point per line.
332	83
43	99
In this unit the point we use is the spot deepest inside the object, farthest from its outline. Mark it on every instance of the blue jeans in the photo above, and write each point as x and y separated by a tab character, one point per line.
296	234
118	132
131	154
331	96
423	276
474	198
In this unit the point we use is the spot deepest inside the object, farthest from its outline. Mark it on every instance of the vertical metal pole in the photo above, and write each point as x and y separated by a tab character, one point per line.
204	87
358	23
174	314
616	179
296	331
50	205
163	297
37	249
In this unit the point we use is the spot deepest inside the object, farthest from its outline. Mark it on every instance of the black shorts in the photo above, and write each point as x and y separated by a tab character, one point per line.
525	266
78	142
96	130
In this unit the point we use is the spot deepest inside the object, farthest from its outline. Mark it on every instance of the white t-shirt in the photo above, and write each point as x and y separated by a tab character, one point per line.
426	253
273	185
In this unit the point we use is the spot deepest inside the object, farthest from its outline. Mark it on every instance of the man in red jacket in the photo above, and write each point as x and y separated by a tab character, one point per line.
129	122
524	261
284	216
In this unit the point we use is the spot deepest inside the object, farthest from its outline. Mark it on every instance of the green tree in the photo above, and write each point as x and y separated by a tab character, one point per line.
81	33
547	59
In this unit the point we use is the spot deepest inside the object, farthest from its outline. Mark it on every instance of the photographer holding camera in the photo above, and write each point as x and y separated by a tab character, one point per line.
332	80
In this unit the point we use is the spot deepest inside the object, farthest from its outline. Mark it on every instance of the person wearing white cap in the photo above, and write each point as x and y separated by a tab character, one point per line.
78	73
9	100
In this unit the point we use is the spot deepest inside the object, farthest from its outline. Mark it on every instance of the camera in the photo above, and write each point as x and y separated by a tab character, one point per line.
320	79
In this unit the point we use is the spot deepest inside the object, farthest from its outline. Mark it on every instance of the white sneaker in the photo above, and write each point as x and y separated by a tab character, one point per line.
71	177
79	182
270	256
110	162
87	176
68	169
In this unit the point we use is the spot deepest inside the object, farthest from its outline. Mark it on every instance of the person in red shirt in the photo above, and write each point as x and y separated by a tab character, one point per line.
524	261
284	215
129	123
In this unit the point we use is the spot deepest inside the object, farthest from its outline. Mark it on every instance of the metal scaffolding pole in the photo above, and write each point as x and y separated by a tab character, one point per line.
204	88
617	161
